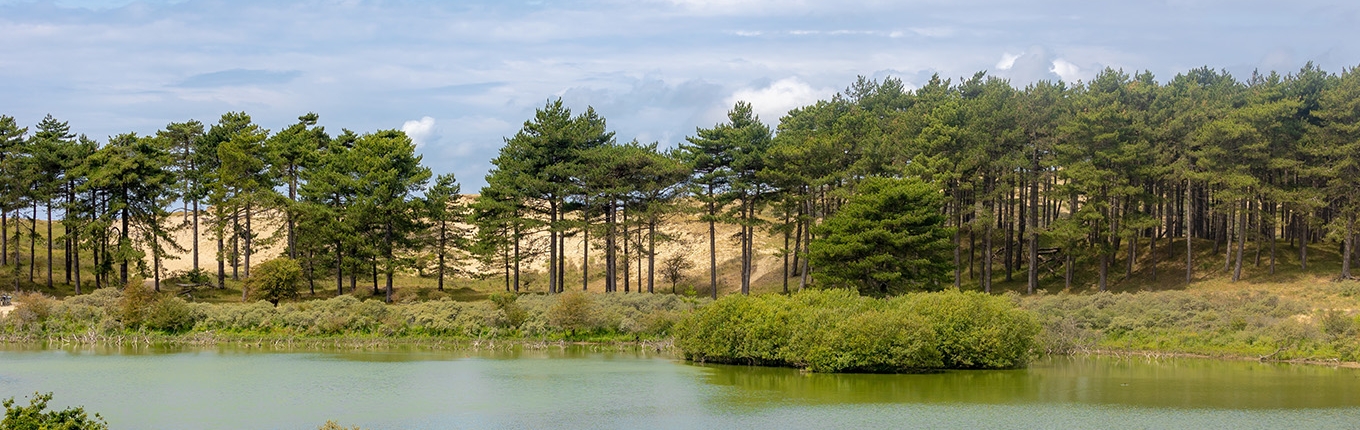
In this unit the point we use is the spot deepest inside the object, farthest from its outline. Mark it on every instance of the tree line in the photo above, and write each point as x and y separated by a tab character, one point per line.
1048	179
348	205
1044	179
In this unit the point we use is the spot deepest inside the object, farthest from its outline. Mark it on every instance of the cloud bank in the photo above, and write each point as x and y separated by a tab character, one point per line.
460	76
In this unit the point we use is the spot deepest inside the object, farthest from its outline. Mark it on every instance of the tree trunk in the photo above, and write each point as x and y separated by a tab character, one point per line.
75	255
1229	231
627	279
1241	240
786	253
33	243
585	245
235	245
443	244
1189	236
651	255
807	230
155	257
1271	236
989	211
339	270
956	208
1350	245
552	244
387	251
712	245
1303	243
611	282
221	262
250	241
292	199
4	237
123	265
195	238
517	240
49	243
1031	233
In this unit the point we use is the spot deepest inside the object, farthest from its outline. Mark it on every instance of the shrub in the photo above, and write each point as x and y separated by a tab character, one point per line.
171	315
406	295
876	341
275	280
976	330
571	312
35	416
32	311
837	330
135	304
513	313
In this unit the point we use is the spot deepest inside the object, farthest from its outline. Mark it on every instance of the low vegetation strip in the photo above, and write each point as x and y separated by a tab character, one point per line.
817	330
568	316
840	331
1243	324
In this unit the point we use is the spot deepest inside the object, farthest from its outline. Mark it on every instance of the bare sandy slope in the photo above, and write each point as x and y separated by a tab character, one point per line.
690	238
4	310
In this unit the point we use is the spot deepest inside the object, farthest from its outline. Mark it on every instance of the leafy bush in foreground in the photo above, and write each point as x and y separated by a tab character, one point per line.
36	417
837	330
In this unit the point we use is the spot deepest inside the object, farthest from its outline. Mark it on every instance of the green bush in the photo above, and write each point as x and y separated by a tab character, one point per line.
1239	323
876	341
171	315
837	331
35	416
275	280
975	330
571	312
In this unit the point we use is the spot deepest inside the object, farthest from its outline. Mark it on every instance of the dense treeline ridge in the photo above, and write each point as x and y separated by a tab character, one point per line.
1048	178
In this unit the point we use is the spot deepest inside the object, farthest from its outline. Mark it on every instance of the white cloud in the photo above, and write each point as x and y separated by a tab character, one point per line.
1007	61
421	131
936	32
777	99
1066	70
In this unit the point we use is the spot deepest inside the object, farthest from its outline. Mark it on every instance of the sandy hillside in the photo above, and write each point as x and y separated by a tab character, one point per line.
691	240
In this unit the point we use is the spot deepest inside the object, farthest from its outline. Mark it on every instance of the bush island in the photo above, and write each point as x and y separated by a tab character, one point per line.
837	331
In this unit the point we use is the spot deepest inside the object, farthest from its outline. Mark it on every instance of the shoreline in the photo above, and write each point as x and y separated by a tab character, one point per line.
452	344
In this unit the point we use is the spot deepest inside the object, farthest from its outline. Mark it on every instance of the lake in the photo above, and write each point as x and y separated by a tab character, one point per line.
232	387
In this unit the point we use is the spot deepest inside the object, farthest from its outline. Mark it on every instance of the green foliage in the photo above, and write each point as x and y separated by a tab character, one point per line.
275	280
975	330
35	416
1244	323
889	238
839	331
571	312
514	314
592	316
136	304
171	315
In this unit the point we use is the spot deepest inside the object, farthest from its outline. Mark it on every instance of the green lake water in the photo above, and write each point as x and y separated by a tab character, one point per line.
581	387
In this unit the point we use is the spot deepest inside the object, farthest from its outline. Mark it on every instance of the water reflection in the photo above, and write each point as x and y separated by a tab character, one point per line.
574	386
1172	383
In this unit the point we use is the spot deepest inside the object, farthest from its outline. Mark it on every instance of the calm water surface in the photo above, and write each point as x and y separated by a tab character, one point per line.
575	387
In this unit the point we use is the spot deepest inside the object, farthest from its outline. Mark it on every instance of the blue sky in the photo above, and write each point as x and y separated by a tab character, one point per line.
461	76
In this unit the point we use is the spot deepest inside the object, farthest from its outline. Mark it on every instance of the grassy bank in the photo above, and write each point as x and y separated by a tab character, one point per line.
1253	324
110	313
823	331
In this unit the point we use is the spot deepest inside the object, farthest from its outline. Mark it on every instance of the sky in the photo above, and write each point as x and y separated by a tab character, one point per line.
460	77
